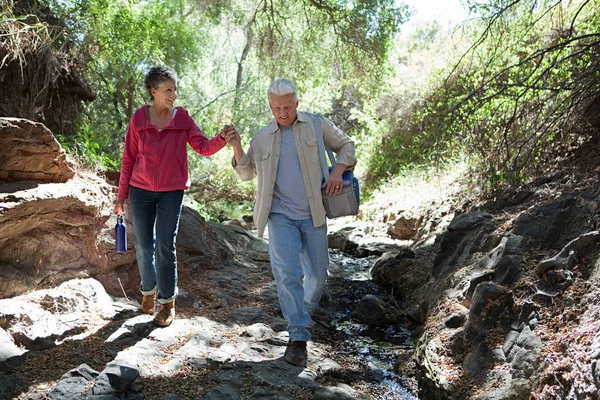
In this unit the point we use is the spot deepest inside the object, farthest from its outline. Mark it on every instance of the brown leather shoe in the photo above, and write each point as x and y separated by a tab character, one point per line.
295	353
148	304
165	315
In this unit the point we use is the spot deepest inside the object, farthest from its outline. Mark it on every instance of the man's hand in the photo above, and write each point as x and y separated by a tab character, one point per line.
228	133
233	138
231	135
335	184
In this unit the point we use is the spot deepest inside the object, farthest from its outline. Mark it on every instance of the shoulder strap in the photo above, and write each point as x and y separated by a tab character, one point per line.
322	148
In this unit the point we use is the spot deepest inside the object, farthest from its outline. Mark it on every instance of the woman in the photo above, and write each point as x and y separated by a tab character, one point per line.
154	174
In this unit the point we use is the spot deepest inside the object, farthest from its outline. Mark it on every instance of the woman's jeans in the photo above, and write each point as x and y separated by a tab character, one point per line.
155	225
299	260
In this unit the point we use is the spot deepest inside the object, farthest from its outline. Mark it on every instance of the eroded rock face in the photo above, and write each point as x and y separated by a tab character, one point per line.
29	151
48	231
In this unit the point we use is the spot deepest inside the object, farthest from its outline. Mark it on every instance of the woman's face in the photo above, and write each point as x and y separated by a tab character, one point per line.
165	94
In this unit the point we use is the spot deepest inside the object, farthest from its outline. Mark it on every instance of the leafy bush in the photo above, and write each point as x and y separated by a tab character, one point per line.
524	89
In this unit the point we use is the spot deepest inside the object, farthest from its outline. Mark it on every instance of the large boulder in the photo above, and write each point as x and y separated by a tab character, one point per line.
464	236
557	222
47	231
49	215
29	151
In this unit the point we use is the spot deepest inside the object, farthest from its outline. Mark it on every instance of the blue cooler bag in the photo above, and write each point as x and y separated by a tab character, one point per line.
346	202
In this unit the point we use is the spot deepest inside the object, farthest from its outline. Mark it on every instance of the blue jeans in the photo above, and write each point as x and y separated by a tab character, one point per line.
299	260
155	224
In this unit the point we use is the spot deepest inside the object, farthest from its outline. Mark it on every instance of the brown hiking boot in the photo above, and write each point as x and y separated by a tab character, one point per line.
295	353
148	304
165	315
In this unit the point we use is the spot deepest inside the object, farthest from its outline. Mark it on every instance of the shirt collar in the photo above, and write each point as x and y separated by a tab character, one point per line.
272	127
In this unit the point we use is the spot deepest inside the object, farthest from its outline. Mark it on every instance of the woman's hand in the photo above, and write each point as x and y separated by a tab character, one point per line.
118	210
230	135
233	138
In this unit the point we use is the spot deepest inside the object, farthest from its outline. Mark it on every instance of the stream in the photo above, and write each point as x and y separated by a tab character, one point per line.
377	349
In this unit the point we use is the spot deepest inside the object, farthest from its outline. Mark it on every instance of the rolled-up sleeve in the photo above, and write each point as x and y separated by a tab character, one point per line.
340	143
245	168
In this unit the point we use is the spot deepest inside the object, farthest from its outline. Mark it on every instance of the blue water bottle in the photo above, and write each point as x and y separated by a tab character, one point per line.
121	234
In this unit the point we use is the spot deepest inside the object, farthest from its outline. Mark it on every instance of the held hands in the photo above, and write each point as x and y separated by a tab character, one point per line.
233	138
230	135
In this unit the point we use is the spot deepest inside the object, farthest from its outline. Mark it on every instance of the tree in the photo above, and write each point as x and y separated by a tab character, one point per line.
40	78
528	84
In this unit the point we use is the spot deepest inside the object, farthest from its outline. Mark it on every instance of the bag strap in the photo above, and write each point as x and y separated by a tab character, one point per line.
322	148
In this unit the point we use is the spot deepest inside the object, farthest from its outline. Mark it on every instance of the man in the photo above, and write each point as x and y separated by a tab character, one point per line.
285	157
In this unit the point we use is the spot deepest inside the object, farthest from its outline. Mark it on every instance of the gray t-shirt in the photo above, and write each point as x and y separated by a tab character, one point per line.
289	196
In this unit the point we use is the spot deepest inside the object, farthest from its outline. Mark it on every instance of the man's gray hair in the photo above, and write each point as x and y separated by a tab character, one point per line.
281	87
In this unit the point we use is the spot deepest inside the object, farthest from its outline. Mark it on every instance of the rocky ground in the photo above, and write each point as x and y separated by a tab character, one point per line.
465	296
222	347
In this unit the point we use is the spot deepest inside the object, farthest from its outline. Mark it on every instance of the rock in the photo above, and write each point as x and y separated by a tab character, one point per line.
399	271
266	393
65	310
463	237
491	307
223	392
456	319
375	247
504	260
258	332
119	377
246	222
523	351
115	382
405	253
342	240
73	384
557	222
48	232
29	152
339	392
248	315
371	311
6	387
404	228
581	248
11	355
477	278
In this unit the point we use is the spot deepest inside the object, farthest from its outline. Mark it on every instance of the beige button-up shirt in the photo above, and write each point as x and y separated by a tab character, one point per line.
262	158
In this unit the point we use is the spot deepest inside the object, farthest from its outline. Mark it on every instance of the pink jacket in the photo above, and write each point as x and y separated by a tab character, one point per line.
157	161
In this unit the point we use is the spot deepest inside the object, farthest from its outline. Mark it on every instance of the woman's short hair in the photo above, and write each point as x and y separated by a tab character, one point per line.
156	76
281	87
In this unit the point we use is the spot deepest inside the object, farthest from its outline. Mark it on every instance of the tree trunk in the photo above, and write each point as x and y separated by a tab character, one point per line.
240	70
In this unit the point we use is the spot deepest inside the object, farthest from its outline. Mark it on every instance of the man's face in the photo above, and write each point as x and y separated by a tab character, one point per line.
284	108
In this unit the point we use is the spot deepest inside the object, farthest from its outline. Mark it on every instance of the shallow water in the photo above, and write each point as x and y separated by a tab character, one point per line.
377	348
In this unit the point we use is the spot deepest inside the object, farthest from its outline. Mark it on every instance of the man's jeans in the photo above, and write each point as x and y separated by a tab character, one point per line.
299	260
155	225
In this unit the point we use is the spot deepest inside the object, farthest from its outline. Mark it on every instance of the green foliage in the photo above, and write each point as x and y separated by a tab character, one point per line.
20	35
323	46
511	102
217	188
402	134
118	41
524	85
